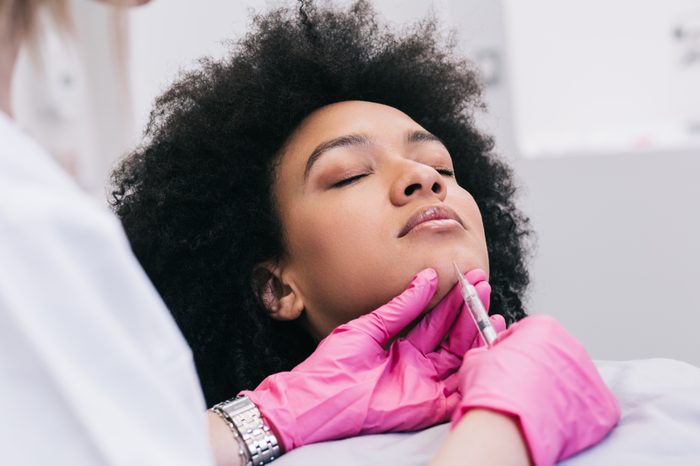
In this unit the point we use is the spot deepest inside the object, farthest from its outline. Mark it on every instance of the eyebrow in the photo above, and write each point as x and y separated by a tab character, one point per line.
358	140
342	141
422	136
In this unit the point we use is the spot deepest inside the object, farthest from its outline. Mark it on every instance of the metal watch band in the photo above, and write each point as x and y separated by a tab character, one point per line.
262	444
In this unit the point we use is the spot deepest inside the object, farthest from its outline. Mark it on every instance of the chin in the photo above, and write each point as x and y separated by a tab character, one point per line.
447	277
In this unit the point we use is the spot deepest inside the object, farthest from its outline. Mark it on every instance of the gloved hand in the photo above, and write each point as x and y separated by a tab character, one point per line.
539	373
352	385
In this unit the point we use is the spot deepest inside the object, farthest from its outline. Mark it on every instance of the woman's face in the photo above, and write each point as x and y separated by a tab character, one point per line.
367	198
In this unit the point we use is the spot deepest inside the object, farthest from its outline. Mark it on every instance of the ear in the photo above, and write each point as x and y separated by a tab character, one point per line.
278	297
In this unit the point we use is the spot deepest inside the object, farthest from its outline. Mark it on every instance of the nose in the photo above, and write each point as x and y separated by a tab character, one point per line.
416	180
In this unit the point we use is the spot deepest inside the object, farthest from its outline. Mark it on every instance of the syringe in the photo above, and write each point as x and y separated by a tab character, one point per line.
476	309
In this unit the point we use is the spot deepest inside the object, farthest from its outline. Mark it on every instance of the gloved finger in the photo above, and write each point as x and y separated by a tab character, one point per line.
436	324
483	289
499	324
452	383
387	321
477	277
465	335
445	363
463	332
434	327
451	403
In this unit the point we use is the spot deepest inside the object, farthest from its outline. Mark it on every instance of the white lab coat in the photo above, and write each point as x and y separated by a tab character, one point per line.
93	369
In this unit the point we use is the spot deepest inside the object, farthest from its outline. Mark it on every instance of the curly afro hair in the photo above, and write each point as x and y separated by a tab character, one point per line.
196	200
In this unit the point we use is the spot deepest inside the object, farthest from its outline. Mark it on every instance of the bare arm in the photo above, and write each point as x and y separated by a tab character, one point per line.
223	444
484	438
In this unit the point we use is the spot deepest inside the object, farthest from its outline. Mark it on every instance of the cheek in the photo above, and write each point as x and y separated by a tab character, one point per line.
349	260
329	232
466	207
336	248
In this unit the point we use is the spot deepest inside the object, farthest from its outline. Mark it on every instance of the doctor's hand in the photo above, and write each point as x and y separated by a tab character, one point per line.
542	377
363	379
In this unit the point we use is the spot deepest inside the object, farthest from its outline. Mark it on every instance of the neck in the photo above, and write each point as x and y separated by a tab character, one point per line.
9	49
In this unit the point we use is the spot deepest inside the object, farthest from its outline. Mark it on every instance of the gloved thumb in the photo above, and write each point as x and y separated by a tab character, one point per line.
386	322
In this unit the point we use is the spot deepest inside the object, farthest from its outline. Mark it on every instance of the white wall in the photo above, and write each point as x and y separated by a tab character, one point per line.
617	254
585	83
169	36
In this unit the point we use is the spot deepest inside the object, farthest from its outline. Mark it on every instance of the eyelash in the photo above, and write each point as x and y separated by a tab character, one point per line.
347	181
445	172
350	180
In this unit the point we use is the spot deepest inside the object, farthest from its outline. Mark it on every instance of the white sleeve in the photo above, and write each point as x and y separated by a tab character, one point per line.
93	369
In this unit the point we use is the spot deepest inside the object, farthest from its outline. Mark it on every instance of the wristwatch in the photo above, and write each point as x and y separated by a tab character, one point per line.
247	424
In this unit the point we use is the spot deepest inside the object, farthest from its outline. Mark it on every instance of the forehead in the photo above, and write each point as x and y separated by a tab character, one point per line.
354	116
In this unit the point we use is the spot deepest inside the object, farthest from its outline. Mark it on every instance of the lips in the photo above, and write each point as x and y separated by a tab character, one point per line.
427	214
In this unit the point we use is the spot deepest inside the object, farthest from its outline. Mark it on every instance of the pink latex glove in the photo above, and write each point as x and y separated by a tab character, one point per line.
539	373
352	385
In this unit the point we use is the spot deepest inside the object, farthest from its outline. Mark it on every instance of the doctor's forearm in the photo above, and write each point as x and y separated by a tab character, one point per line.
223	444
486	438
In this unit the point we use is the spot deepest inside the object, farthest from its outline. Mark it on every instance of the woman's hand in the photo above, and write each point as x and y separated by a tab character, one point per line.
362	379
541	375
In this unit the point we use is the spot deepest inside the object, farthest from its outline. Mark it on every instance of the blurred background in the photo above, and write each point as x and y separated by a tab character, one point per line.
596	104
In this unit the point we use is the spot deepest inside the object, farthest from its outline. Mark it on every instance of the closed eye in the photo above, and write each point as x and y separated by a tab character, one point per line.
445	172
348	181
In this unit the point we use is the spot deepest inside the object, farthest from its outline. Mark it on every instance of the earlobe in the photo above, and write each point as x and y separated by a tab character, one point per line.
290	307
279	298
